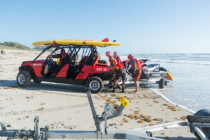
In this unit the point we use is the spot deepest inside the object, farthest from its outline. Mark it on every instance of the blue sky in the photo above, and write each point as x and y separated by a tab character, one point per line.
141	26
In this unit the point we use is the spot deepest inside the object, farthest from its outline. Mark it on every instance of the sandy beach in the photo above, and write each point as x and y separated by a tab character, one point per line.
63	106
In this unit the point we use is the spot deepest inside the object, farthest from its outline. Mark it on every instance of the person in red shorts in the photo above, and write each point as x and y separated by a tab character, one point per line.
113	62
135	64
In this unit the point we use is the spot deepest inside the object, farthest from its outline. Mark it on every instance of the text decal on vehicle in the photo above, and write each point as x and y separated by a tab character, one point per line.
37	64
104	69
99	69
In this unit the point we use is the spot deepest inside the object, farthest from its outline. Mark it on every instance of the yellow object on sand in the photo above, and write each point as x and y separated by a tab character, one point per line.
124	102
75	42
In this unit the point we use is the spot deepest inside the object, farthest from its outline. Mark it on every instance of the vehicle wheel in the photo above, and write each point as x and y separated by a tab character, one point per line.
23	78
162	83
95	84
37	81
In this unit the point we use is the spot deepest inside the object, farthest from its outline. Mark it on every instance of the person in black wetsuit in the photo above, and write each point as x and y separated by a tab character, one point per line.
49	66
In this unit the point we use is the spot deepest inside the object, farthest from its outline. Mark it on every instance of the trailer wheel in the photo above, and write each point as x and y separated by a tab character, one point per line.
23	78
95	84
162	83
37	81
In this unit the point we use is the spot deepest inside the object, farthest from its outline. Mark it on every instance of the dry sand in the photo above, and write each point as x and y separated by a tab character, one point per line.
66	106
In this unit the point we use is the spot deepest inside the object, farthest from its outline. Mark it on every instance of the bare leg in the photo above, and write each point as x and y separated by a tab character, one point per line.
115	83
123	83
113	75
46	69
123	86
137	86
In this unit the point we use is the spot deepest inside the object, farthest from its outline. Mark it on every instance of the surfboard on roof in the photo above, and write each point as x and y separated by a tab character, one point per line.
104	42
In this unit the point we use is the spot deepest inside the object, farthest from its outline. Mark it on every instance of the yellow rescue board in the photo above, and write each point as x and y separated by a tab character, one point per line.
75	42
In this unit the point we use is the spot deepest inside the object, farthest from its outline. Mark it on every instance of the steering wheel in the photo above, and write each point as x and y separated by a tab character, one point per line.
48	60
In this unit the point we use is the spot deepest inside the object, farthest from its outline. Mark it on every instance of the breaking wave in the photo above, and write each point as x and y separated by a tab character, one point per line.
182	62
167	99
198	59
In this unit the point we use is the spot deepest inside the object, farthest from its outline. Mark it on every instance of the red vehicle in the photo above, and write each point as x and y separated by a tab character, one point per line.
90	71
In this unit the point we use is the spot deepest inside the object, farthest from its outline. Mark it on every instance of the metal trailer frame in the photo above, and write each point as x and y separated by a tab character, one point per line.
130	80
144	133
153	77
200	126
45	133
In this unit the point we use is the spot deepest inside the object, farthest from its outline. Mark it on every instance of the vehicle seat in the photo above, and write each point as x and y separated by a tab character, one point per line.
58	66
83	60
91	59
153	67
96	60
102	63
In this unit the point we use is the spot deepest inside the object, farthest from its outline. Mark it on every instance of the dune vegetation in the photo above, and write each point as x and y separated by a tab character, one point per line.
13	46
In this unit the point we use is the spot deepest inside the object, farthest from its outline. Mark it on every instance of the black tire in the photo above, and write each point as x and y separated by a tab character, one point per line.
95	81
37	81
162	83
23	78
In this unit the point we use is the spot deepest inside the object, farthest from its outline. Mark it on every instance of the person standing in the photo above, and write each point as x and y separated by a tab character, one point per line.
120	72
113	62
117	57
136	73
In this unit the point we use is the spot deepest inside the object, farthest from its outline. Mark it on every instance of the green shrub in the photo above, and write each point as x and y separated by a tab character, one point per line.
15	45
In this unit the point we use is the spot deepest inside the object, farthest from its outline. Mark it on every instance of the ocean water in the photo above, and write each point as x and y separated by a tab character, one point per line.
191	73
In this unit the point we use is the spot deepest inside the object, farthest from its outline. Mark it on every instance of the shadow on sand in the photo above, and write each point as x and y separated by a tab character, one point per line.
47	86
178	138
44	86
